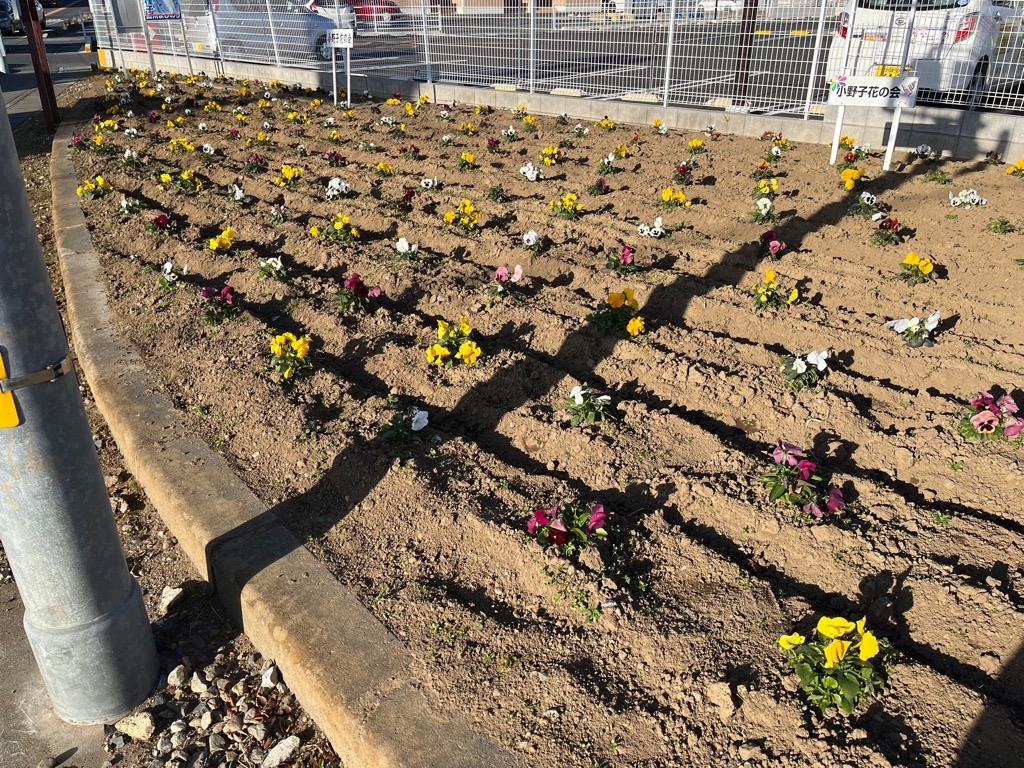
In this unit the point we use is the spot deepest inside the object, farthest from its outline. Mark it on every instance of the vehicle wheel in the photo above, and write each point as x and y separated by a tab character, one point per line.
975	92
323	49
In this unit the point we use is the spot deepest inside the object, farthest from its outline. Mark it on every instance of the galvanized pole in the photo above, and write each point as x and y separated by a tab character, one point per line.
426	45
533	45
668	50
814	59
84	614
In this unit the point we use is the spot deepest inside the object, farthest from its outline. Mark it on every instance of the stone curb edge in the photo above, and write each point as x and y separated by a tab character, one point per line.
351	675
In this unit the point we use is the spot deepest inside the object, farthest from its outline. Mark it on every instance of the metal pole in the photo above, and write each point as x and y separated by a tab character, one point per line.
84	614
149	43
426	43
841	114
898	112
44	82
334	73
668	49
273	34
216	34
533	45
184	40
3	58
115	35
348	77
815	59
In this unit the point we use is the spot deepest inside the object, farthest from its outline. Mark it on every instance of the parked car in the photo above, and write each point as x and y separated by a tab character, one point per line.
954	44
380	11
719	9
641	9
11	21
296	32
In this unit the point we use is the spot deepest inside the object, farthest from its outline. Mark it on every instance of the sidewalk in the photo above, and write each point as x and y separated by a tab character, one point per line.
30	731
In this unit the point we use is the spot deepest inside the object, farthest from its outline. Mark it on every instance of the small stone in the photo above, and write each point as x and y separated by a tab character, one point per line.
177	676
218	743
177	726
233	723
164	745
197	684
139	726
281	752
46	762
270	678
258	731
206	721
178	739
720	696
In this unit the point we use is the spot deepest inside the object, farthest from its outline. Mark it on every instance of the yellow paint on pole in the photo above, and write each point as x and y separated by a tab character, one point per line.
799	32
8	410
762	31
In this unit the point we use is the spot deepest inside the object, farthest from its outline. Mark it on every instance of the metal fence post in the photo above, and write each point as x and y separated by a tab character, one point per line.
426	41
668	49
533	45
814	59
84	614
273	35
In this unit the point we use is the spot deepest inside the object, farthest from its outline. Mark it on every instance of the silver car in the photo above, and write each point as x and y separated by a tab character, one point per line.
11	21
290	33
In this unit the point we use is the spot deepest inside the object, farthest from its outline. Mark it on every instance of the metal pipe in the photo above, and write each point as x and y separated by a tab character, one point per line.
815	59
668	48
84	615
533	45
273	34
426	44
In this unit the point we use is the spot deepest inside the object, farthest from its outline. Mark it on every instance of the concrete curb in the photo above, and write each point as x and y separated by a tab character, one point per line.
352	676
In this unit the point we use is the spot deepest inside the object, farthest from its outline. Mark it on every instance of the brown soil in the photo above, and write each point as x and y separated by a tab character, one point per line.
657	648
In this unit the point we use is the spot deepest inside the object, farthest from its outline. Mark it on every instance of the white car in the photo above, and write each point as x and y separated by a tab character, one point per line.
295	32
719	9
954	44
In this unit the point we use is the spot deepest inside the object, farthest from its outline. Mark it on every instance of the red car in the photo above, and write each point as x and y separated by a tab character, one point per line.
381	11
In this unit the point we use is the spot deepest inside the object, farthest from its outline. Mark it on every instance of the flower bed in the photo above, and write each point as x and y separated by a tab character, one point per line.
409	420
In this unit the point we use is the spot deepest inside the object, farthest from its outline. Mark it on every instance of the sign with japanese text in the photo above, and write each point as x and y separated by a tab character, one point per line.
873	91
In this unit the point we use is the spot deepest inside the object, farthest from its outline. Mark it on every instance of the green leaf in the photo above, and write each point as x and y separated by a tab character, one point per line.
849	686
804	672
778	492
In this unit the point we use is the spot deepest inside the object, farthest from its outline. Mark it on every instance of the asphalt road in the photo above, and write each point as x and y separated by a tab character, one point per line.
64	52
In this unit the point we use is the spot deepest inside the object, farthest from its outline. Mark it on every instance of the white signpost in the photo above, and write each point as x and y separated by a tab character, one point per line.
892	92
342	38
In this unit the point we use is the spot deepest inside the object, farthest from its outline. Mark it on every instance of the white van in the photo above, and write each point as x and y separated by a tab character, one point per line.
954	44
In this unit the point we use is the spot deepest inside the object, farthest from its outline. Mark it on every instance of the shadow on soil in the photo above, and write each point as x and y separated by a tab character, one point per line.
884	597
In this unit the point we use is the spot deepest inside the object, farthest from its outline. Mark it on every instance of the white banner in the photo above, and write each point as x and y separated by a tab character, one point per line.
873	91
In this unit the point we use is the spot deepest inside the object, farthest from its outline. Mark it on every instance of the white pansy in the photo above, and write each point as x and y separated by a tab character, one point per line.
530	172
267	126
131	133
799	366
429	183
776	152
328	122
643	230
208	149
443	114
419	420
764	206
403	246
900	325
337	187
446	140
818	360
530	239
932	322
168	272
202	127
274	263
577	394
878	216
868	199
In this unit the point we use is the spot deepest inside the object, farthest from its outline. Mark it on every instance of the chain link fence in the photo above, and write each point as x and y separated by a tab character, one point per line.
761	56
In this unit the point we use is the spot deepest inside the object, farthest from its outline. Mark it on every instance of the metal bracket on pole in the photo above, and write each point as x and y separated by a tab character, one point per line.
48	374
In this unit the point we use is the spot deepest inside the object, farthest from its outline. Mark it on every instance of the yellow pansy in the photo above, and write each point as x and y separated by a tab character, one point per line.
464	327
926	266
793	296
912	259
770	275
789	641
449	217
868	646
468	352
616	300
301	346
635	326
666	194
444	329
834	627
628	293
835	651
165	178
861	624
437	354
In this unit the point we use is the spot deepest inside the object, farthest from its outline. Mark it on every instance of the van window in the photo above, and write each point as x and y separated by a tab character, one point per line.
903	6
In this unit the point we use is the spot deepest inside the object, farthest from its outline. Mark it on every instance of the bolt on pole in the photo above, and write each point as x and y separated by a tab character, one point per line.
84	614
